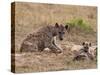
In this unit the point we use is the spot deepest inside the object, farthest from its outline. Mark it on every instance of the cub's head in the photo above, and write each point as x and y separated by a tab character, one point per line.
86	45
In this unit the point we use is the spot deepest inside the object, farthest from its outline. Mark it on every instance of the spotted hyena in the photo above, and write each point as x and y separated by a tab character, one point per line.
45	37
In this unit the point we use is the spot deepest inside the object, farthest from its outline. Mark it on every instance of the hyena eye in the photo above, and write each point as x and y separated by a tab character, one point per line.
63	32
59	32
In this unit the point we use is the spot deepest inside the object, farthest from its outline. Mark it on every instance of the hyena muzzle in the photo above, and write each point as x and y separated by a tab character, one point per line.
44	38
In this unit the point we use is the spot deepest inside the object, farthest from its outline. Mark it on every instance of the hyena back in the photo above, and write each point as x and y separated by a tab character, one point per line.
44	38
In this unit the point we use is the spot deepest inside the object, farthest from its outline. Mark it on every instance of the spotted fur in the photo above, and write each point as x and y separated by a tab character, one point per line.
45	37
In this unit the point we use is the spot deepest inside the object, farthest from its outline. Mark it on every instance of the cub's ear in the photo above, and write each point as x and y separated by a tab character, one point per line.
57	25
89	44
83	43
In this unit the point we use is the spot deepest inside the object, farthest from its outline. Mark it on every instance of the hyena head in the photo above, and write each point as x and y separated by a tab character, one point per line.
86	46
60	30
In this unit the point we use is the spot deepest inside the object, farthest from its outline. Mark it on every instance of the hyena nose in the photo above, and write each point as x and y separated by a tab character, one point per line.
61	38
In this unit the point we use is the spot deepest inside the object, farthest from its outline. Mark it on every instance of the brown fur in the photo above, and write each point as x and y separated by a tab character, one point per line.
44	38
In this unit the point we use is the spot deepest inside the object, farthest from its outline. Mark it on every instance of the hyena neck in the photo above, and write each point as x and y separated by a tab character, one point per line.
50	31
53	30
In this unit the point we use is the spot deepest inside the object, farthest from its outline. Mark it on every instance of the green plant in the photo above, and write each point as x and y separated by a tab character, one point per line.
81	24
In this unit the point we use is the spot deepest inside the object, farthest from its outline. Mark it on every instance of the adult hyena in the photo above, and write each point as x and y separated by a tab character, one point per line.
44	38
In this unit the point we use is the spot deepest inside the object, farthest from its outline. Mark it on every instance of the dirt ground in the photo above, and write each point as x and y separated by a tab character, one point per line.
29	17
46	61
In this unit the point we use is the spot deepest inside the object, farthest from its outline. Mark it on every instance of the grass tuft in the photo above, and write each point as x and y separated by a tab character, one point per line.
80	24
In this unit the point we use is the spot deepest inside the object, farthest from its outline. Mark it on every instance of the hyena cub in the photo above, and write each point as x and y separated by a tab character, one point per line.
44	38
82	51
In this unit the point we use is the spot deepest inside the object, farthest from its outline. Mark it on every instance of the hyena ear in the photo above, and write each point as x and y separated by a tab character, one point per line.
83	43
66	26
56	25
89	44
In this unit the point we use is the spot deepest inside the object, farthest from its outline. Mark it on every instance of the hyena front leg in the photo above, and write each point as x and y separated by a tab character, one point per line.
54	47
55	44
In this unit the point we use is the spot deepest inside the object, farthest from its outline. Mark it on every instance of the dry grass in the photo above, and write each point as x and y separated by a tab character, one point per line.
46	61
29	17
